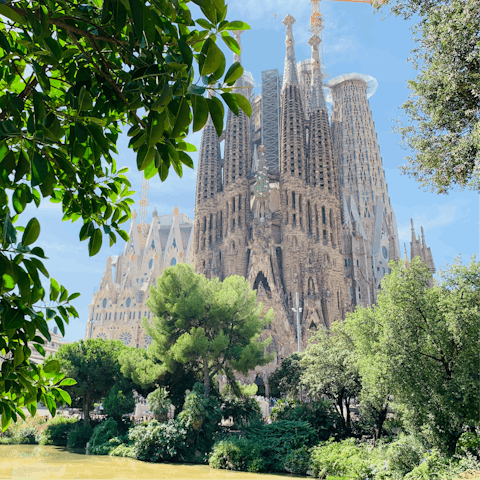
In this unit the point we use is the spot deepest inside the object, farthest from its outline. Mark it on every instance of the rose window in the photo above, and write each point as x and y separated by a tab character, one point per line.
126	338
102	335
148	340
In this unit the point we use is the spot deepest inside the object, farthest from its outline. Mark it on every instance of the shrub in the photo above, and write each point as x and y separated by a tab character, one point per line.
433	466
99	443
123	450
244	411
469	442
278	439
321	415
238	454
298	461
57	431
341	458
159	403
28	431
80	435
404	454
158	442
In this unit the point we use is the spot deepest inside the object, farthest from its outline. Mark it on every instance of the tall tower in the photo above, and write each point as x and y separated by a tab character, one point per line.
206	222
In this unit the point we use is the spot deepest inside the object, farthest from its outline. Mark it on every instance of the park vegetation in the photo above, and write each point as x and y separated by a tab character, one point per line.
390	393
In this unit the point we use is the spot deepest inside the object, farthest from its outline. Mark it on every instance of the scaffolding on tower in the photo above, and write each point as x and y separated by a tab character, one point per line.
142	225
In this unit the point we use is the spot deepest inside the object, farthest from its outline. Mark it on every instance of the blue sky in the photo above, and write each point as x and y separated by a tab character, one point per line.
354	40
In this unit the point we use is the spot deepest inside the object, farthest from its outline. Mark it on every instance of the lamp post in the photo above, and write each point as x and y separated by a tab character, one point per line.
298	310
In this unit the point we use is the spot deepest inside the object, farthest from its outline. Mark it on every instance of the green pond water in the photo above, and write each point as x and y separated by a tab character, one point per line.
46	462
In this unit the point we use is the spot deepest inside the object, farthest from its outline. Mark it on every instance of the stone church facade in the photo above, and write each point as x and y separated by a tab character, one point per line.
119	304
299	203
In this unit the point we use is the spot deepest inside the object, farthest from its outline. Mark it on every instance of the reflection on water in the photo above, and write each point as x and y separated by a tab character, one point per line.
46	462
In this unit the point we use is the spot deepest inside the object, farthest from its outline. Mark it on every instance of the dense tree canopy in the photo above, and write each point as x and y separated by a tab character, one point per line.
442	126
215	325
73	74
285	380
426	347
94	364
330	368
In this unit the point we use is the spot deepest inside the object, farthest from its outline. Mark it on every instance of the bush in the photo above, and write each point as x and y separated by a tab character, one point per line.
238	454
158	442
298	461
469	442
321	415
341	458
244	411
159	403
404	454
117	403
433	466
100	441
28	431
57	431
80	435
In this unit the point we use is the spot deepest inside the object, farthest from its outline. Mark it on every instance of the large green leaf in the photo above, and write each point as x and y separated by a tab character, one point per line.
200	112
215	107
136	9
233	73
95	242
210	57
31	233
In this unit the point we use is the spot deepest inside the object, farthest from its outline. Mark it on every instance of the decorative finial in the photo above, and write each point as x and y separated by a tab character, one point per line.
134	214
290	73
316	23
288	21
154	213
175	210
236	56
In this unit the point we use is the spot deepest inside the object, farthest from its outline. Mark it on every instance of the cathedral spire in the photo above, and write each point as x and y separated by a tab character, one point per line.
238	57
290	76
317	98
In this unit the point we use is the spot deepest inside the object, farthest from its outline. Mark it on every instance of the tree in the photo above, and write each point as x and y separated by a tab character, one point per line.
285	380
214	325
118	403
94	364
159	404
375	394
427	350
443	121
72	75
330	368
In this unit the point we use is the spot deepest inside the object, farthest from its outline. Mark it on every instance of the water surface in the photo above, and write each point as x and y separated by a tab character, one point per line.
38	462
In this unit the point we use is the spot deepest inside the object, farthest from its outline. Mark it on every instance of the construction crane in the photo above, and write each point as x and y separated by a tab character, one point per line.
142	224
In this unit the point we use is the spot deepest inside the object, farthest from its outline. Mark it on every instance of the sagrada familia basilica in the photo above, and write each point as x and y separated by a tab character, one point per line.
298	205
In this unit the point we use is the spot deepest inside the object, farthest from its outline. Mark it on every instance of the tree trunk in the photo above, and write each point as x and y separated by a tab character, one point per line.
382	416
206	378
86	409
347	412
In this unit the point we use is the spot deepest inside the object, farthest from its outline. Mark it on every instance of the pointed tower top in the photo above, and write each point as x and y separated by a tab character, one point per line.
290	76
255	159
236	56
317	97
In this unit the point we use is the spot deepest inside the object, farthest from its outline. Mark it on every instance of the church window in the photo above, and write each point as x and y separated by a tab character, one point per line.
300	203
150	263
233	223
120	315
134	315
129	301
324	235
293	200
239	222
139	315
153	243
106	316
338	300
96	318
173	262
130	316
110	316
358	263
324	216
104	303
233	204
233	245
115	317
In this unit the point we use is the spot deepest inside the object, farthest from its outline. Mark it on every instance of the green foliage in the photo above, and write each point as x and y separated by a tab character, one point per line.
28	431
159	404
116	403
469	444
79	435
278	439
205	324
243	410
156	442
72	74
104	438
341	458
94	364
321	415
285	380
298	461
403	455
330	368
201	418
426	348
57	431
241	454
442	125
